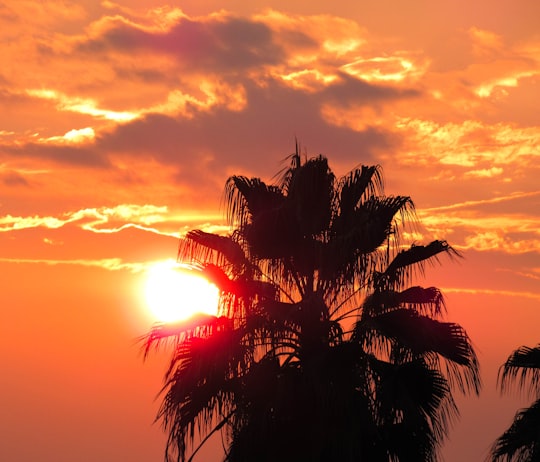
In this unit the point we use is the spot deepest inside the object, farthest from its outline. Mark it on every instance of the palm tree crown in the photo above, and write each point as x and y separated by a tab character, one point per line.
322	350
521	441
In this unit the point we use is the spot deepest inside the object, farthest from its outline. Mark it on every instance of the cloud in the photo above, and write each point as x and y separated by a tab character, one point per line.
13	179
485	173
25	12
81	105
111	264
386	69
219	43
504	223
164	106
214	143
106	220
74	136
482	202
67	154
477	229
500	241
494	292
470	143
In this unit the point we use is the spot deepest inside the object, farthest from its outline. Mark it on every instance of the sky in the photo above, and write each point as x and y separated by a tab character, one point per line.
121	121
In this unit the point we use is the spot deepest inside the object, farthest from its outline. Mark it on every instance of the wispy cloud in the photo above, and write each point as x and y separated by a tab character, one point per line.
474	203
169	105
109	219
470	144
81	105
494	292
111	264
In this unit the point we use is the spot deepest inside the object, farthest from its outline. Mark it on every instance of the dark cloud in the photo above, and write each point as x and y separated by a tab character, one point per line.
67	155
13	179
218	45
258	137
350	91
214	142
7	14
9	97
145	75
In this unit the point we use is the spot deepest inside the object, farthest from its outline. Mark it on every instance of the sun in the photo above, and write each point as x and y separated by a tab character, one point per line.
175	292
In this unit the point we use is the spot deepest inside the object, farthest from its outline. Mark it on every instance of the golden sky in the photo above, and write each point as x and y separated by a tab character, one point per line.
120	122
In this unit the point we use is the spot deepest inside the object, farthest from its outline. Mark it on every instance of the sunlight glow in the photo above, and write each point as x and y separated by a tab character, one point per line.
81	105
308	79
384	69
175	292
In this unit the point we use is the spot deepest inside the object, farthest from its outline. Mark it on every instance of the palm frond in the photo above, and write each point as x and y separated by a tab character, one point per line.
521	441
310	192
246	197
423	300
357	185
199	384
421	334
354	244
240	287
199	246
295	162
167	334
414	401
403	262
522	365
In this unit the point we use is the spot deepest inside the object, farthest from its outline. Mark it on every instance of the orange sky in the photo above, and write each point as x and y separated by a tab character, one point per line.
121	121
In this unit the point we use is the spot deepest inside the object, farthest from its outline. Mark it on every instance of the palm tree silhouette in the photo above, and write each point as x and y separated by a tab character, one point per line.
323	351
521	441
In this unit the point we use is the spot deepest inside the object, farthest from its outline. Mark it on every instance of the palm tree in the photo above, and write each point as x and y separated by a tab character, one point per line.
521	441
322	350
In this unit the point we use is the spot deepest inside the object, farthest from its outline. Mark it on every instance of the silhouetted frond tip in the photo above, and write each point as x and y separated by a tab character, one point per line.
523	366
198	246
521	442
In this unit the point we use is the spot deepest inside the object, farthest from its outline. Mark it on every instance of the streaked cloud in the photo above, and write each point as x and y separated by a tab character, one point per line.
107	220
493	292
475	203
386	69
469	144
168	105
74	136
478	225
83	106
111	264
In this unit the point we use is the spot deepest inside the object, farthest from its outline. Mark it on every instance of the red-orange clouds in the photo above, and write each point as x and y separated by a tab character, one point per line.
121	123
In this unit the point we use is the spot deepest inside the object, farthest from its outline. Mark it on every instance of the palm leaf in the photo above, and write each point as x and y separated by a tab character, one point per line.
248	197
401	265
421	334
424	300
240	287
201	325
415	404
200	380
310	191
358	184
522	365
521	441
199	246
355	240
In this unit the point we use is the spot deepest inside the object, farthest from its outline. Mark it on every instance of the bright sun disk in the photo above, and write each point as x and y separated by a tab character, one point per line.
175	292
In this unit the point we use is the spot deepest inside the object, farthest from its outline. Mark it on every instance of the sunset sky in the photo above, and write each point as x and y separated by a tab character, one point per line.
121	121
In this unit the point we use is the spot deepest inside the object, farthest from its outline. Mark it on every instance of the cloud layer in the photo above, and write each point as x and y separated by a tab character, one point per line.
155	108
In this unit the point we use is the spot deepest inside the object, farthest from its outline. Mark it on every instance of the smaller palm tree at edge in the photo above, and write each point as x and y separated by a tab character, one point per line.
521	441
